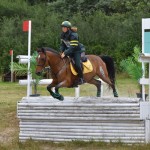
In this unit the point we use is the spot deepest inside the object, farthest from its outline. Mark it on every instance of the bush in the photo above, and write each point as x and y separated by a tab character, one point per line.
132	66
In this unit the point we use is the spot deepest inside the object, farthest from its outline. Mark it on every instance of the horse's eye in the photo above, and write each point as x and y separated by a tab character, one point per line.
42	59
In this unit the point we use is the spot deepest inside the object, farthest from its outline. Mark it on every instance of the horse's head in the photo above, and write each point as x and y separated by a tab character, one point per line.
41	61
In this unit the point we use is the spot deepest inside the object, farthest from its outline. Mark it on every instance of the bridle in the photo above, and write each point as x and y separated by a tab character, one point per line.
57	64
43	63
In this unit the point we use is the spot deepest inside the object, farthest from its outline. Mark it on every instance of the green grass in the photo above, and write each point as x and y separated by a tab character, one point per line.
10	93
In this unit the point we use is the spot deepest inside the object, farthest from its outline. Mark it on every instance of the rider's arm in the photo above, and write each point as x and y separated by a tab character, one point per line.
62	47
62	44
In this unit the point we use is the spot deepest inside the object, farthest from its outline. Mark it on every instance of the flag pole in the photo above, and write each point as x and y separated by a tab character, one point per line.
29	87
11	53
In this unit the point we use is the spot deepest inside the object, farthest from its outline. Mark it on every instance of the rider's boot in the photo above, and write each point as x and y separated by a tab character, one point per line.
81	81
80	75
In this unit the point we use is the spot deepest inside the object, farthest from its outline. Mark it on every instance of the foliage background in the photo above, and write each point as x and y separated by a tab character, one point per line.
109	27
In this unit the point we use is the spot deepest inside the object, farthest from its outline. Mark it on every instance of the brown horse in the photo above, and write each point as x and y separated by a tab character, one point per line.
103	67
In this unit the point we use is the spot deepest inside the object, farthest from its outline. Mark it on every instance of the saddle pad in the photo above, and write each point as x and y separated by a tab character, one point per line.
87	67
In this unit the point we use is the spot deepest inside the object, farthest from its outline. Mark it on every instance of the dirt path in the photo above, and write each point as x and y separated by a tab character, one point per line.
7	135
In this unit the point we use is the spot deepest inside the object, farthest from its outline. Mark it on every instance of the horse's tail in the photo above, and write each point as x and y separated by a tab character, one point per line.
110	67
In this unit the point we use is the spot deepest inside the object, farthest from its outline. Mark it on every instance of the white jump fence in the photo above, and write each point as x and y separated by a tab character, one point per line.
85	118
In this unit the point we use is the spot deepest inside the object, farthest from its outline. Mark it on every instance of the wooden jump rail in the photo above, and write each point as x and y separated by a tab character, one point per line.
85	118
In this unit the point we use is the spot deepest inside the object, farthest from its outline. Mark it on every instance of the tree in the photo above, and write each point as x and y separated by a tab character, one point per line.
21	70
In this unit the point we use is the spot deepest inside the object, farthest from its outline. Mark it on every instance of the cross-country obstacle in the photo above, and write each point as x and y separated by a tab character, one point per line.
86	118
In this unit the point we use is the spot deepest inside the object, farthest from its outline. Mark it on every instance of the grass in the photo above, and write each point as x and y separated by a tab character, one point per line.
10	93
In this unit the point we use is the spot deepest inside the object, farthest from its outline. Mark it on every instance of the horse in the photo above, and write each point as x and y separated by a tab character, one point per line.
103	67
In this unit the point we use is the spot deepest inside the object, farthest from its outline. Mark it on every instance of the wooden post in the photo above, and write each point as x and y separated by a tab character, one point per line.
147	131
29	87
77	92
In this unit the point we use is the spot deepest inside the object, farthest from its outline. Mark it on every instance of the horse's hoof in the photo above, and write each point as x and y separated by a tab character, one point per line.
98	94
61	98
115	94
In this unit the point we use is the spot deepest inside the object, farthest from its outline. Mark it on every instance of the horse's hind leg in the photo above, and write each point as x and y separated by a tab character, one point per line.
105	78
112	85
114	90
97	83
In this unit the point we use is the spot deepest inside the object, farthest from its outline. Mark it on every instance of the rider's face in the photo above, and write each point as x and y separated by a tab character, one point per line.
64	29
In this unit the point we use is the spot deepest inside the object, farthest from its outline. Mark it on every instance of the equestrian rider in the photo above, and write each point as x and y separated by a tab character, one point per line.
70	46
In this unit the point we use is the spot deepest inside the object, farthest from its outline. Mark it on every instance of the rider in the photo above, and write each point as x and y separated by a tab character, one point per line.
71	47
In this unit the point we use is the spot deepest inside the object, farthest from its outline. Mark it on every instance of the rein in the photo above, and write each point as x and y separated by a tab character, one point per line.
57	64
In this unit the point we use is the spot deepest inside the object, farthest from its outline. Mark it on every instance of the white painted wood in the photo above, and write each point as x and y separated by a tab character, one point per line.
85	118
23	139
74	116
41	82
144	81
11	68
145	110
79	118
85	134
80	100
29	76
77	92
22	57
78	105
23	61
92	111
83	128
82	137
143	66
144	58
147	130
63	140
145	23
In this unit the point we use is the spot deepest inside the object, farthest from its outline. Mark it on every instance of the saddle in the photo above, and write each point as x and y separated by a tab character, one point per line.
86	66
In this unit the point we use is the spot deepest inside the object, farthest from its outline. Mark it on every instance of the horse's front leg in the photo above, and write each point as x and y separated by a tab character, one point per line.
61	84
49	88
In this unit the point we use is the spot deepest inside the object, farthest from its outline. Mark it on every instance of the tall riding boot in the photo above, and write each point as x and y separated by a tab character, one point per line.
77	58
80	75
81	81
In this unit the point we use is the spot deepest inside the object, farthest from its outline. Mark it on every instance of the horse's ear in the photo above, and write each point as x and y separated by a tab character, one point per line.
38	50
43	49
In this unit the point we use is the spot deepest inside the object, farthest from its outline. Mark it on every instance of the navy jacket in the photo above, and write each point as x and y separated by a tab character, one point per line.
70	43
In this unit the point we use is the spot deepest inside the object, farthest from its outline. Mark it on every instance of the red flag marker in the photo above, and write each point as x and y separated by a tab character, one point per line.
10	52
26	26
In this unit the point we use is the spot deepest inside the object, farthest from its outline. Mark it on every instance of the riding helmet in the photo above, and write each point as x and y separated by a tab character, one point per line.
66	24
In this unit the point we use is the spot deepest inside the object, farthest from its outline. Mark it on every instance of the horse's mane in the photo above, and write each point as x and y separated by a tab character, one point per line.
50	50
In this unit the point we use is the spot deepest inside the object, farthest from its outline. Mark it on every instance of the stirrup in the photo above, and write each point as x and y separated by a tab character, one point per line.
81	81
